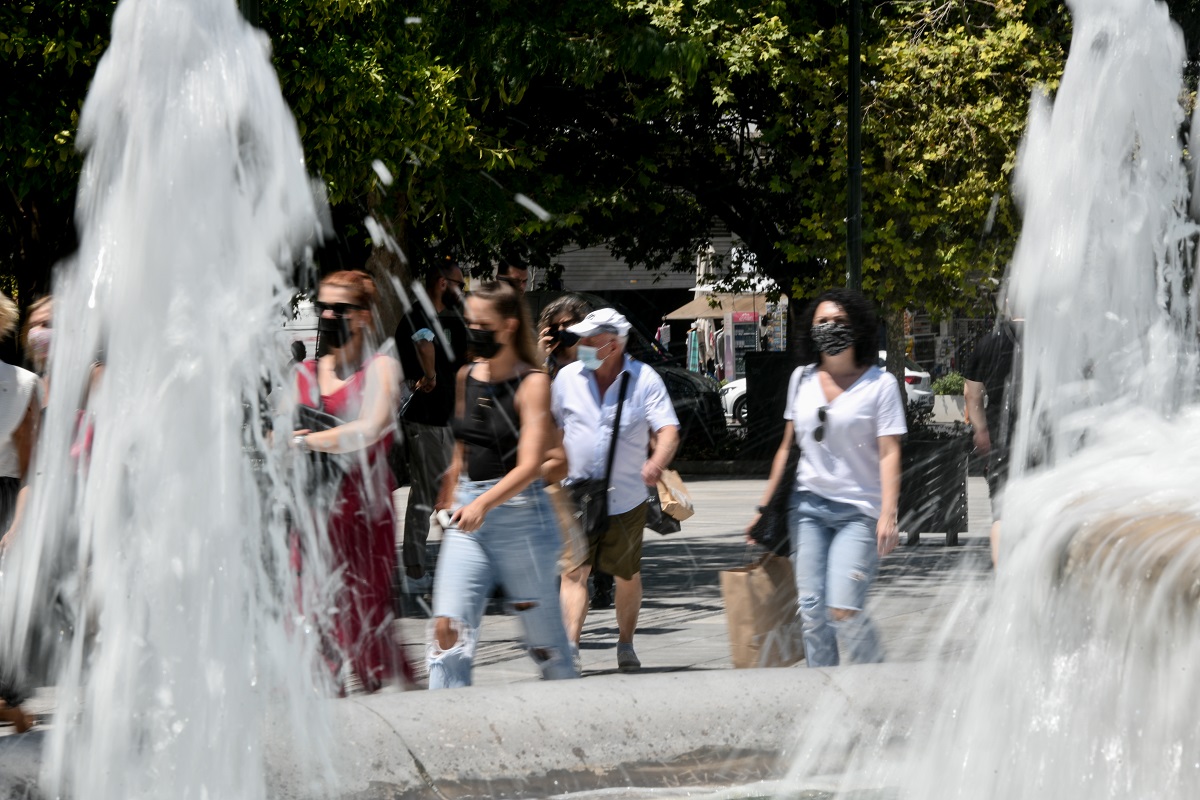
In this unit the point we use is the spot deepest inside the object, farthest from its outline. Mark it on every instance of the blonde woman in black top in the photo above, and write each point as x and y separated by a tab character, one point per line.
502	530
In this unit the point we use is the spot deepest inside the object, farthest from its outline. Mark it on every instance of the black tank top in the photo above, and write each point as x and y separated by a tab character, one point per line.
489	427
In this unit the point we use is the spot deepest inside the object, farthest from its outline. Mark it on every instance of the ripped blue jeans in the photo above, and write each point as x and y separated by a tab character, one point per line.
516	548
836	558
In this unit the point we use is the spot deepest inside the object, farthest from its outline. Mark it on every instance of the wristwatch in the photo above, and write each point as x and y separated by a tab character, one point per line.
300	442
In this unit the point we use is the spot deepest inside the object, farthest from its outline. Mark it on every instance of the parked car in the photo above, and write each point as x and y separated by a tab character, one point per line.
916	387
733	398
917	382
696	397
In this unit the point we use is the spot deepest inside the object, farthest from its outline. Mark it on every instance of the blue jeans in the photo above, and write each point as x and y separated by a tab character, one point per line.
517	548
836	558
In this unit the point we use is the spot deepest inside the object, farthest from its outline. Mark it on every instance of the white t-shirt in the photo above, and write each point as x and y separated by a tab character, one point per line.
18	387
587	423
844	465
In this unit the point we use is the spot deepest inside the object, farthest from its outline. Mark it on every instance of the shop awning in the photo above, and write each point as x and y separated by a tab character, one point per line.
702	308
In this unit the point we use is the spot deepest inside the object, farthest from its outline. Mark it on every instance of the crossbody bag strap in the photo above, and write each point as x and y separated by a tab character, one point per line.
612	447
808	370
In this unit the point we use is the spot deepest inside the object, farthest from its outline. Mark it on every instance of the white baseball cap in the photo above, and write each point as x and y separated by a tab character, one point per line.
604	320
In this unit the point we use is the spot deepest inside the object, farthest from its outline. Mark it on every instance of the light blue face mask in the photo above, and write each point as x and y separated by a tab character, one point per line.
587	357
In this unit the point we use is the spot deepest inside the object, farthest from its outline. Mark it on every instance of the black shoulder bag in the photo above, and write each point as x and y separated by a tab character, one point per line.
771	530
591	495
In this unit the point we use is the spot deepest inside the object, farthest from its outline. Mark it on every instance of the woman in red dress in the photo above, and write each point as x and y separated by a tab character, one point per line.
361	388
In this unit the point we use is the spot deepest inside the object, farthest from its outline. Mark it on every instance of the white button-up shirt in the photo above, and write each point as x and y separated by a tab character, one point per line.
587	423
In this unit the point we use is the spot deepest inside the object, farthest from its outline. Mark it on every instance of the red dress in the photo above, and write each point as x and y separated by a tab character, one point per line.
362	539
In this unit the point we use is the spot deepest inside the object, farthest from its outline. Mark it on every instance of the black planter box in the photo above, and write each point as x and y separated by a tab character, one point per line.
933	483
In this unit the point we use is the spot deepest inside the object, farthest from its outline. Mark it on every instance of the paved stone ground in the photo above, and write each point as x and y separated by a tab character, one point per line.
682	625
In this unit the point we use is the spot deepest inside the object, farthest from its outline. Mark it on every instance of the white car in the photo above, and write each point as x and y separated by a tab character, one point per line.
917	382
916	388
733	398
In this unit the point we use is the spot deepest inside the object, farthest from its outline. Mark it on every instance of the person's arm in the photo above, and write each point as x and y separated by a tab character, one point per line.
975	392
666	442
555	469
778	467
533	409
887	533
663	423
25	440
376	419
445	498
425	357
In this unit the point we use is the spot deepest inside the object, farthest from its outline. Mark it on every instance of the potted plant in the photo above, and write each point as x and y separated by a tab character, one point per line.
949	405
933	484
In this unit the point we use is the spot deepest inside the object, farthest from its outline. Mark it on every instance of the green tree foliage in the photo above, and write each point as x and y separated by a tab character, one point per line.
365	84
359	74
648	120
634	122
49	50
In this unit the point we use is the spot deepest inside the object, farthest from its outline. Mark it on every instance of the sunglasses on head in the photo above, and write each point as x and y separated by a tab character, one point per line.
819	431
338	309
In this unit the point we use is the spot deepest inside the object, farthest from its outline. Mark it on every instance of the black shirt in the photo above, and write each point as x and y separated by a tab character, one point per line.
992	365
436	406
489	427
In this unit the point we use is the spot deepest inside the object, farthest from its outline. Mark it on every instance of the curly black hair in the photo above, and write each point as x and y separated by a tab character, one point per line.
862	321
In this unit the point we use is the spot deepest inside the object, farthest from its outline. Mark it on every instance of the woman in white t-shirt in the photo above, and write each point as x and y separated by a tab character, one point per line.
846	415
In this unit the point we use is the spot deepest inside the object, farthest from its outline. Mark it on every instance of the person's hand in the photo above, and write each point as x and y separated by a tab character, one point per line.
426	383
651	472
887	535
469	518
750	528
546	341
297	440
983	442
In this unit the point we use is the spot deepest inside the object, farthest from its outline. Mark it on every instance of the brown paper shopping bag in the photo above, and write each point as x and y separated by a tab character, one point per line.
673	496
760	607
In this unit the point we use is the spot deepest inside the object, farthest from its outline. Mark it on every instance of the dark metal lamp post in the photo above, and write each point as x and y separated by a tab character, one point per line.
854	160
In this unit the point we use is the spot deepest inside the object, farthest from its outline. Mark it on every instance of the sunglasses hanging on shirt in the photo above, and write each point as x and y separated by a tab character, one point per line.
819	431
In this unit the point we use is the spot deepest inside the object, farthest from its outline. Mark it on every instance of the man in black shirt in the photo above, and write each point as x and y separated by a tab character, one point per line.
431	350
992	376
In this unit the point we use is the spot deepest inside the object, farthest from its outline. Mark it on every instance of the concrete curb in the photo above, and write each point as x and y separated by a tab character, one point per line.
724	727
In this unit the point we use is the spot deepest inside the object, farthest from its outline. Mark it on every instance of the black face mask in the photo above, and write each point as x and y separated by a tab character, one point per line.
332	333
482	343
831	338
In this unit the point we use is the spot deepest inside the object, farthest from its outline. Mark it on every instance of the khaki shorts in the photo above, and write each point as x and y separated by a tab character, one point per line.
619	551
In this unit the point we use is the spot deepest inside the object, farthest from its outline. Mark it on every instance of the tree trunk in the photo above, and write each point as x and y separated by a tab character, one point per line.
894	321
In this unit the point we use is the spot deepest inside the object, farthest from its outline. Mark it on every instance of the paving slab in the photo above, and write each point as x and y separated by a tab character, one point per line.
682	624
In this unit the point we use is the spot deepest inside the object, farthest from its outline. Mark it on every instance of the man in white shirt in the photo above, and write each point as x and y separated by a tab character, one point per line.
584	402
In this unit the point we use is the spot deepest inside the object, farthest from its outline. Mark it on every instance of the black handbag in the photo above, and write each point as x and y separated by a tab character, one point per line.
771	530
591	494
656	520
